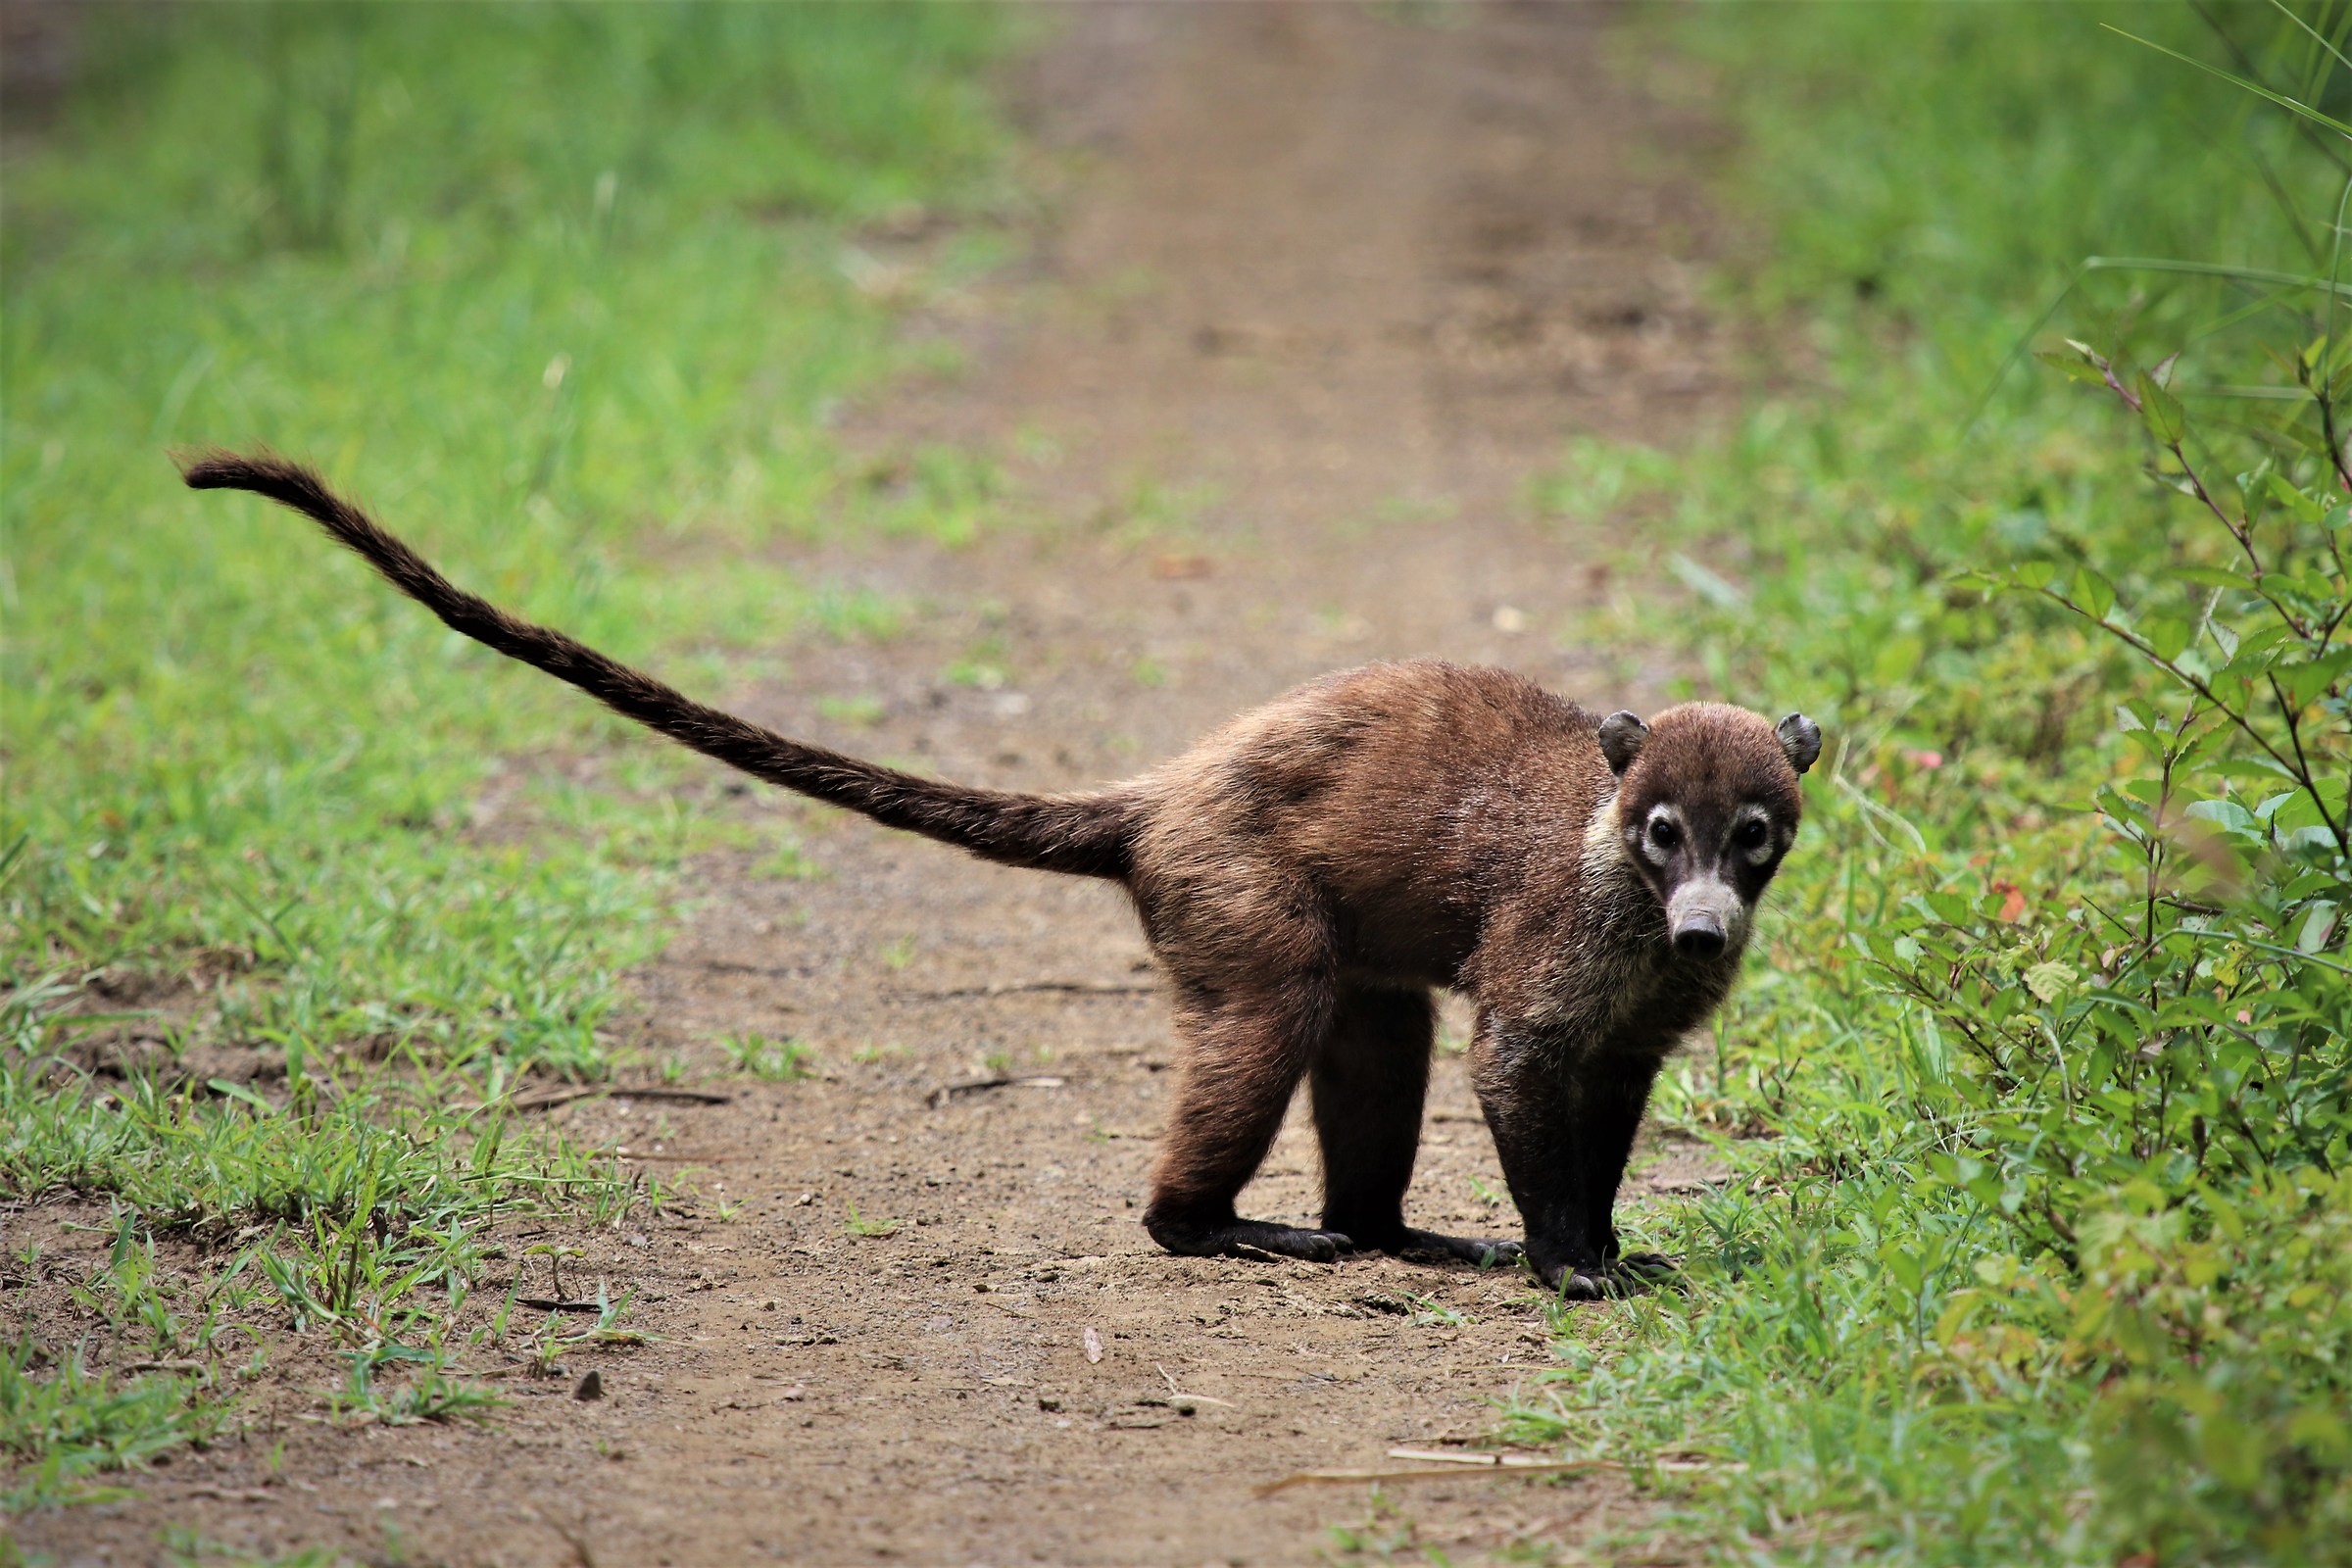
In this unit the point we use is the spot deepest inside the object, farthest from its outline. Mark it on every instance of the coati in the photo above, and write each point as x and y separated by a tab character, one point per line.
1307	874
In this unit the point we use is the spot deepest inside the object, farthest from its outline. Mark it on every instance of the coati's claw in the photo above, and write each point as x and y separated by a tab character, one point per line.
1593	1284
1476	1251
1249	1238
1246	1237
1629	1275
1577	1285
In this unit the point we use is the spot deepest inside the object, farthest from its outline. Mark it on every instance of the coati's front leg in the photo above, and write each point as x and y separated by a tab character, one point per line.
1563	1118
1244	1052
1611	1091
1369	1082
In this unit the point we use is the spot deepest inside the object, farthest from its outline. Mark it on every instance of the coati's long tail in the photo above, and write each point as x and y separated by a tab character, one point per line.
1083	835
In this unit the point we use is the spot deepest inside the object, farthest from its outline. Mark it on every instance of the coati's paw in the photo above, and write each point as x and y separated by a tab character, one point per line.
1597	1284
1246	1237
1655	1268
1249	1238
1477	1250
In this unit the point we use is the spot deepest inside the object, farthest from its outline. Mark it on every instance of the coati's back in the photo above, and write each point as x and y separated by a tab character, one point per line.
1405	798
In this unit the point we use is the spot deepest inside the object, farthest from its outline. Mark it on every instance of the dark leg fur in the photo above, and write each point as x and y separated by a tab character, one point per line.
1614	1095
1244	1056
1563	1124
1370	1079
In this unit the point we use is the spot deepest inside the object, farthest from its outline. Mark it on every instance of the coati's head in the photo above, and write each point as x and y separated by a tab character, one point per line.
1707	803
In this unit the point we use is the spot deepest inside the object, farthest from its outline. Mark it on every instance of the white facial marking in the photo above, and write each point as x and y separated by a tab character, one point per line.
1651	849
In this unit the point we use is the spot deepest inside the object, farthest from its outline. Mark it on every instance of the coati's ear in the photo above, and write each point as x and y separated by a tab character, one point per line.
1800	738
1621	738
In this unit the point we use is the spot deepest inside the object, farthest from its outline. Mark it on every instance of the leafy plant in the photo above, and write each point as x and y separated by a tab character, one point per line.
2039	1106
428	1393
774	1060
858	1224
63	1422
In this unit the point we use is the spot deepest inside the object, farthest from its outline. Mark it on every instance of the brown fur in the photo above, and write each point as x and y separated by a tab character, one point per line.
1307	874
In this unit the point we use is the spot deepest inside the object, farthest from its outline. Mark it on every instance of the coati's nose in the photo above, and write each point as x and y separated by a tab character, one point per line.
1698	935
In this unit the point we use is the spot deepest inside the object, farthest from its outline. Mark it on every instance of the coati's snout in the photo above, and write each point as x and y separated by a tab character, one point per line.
1707	803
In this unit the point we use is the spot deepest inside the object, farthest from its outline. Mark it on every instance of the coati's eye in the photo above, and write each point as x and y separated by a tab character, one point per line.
1750	835
1664	833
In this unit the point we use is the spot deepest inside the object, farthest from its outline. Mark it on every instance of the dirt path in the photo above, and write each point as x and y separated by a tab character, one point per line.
1334	284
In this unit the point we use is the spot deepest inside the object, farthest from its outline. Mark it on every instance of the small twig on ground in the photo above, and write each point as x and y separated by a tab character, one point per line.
946	1091
1175	1393
1014	988
564	1096
549	1304
1449	1472
780	971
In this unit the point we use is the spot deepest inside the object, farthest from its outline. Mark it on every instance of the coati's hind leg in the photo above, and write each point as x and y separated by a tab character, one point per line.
1370	1079
1243	1056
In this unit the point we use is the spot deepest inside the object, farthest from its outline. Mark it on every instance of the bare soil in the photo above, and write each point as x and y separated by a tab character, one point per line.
1322	290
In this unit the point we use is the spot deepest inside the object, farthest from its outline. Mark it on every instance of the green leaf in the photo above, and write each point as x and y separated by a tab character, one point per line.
1949	907
2299	811
2053	981
2160	410
2168	637
2250	664
2226	814
2093	593
2073	366
1905	1268
2216	577
2306	679
2291	496
2318	926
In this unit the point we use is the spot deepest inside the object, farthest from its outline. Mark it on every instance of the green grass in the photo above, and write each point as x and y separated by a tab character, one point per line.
776	1060
62	1423
569	294
256	764
2039	1095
